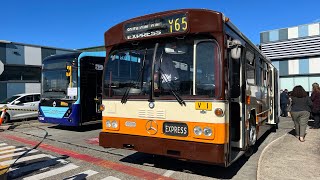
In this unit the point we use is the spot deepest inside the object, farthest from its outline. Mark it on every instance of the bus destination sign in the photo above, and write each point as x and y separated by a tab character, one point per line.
155	27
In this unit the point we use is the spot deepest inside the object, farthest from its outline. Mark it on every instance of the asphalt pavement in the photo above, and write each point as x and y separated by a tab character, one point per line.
278	155
288	158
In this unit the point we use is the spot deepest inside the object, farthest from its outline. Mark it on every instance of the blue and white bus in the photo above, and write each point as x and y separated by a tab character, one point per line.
71	88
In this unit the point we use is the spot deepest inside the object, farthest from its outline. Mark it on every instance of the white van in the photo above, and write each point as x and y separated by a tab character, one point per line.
21	106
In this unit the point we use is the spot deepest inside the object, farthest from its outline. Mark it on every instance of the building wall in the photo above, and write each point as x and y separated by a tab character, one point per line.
295	51
33	55
290	33
3	90
3	53
32	87
14	54
15	88
93	49
22	67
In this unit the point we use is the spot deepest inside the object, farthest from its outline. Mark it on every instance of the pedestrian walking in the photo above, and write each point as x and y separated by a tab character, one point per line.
284	101
300	111
315	97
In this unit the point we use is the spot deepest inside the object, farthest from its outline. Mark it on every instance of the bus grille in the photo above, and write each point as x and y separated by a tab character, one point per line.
149	113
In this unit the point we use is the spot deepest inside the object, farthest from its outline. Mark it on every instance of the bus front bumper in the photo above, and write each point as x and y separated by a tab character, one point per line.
187	150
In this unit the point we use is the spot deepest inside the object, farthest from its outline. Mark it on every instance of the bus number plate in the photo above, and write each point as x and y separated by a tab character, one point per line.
203	106
175	129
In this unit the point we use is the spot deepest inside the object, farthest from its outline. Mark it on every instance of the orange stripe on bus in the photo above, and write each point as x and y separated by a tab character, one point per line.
220	130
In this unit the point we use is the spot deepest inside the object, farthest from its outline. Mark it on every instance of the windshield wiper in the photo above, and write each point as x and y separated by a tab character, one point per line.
151	95
125	96
174	93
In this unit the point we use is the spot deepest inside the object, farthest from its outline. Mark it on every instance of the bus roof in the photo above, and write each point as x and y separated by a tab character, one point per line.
76	55
199	20
93	54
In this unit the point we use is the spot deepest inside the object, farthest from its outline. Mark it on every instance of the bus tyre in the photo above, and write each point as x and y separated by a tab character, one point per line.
274	128
249	152
252	134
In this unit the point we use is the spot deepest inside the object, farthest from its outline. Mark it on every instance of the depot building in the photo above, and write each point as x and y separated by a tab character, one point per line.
20	67
295	51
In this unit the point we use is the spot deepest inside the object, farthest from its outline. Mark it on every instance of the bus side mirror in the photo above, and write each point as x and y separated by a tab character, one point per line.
68	71
235	46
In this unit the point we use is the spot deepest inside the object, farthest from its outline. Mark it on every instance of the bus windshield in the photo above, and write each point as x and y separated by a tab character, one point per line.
55	83
130	71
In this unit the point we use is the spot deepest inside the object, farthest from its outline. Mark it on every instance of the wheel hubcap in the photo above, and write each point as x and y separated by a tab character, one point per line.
253	135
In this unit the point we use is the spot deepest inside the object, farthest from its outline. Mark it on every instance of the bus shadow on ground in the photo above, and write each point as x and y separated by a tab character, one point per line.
84	128
22	121
207	170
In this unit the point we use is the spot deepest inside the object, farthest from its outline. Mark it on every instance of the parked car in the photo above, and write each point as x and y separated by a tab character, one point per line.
21	106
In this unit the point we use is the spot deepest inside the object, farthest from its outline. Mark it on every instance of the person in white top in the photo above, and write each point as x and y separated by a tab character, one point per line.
166	67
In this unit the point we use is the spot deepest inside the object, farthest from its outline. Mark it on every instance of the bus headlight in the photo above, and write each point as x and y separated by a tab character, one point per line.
197	130
114	124
108	123
68	113
207	131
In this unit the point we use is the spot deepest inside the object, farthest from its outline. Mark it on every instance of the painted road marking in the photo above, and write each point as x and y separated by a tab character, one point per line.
18	172
7	147
132	171
37	166
3	144
110	178
23	159
82	175
17	154
52	172
168	173
94	141
14	150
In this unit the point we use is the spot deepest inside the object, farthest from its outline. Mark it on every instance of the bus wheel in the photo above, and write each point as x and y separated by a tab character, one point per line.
274	128
252	134
249	152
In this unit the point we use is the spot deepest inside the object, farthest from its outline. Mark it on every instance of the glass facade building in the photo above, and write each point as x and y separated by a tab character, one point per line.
295	51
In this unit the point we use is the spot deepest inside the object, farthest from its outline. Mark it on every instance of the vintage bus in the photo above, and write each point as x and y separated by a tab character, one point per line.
186	84
71	88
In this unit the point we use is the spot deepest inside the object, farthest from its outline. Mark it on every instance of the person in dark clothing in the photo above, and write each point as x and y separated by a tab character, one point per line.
315	97
284	101
300	111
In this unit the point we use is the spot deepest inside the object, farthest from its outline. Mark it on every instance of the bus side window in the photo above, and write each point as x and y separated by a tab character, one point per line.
270	79
205	68
250	67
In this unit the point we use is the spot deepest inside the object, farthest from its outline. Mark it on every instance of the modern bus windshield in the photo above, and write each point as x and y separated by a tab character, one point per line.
55	83
130	70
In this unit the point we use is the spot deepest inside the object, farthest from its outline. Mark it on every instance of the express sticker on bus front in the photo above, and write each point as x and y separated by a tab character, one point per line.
155	27
175	129
203	106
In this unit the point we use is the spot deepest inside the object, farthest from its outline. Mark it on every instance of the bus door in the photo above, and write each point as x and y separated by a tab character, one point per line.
272	88
271	95
276	103
91	81
236	98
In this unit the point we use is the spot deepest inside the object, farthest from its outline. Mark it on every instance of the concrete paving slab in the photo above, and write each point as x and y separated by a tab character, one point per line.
288	158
